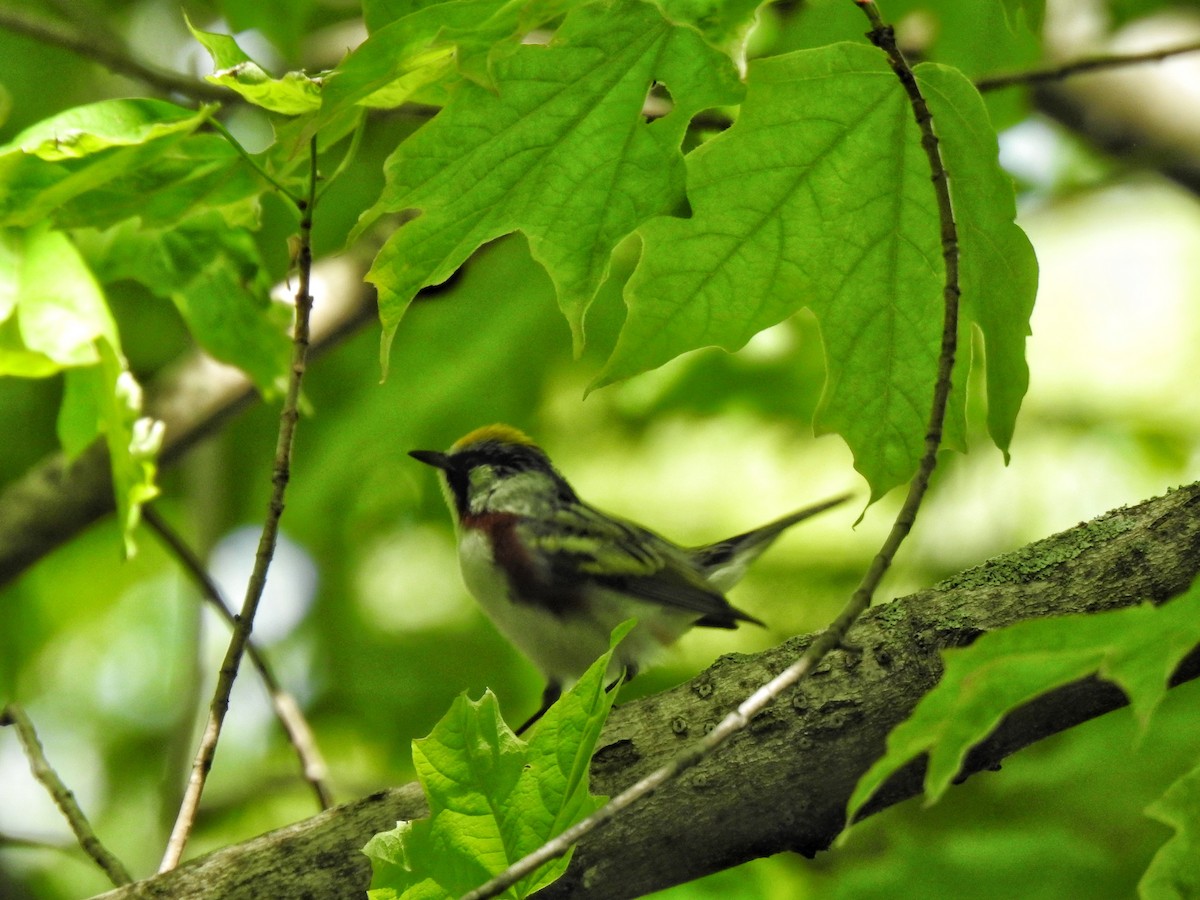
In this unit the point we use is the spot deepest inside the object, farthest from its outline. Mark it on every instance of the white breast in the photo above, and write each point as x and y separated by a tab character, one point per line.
563	646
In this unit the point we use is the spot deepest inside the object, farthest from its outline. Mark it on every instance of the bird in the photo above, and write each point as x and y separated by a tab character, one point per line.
556	575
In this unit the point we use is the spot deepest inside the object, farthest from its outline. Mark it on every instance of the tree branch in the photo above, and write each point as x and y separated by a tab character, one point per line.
312	764
115	60
783	783
289	416
1034	77
1136	115
15	716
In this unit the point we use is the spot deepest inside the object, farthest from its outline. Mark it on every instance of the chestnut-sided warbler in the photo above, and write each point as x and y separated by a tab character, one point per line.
557	575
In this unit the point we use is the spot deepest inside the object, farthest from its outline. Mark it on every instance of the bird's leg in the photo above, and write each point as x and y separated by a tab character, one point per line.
626	675
552	692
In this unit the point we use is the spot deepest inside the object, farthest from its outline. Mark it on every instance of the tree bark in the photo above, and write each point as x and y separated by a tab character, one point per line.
782	784
1132	112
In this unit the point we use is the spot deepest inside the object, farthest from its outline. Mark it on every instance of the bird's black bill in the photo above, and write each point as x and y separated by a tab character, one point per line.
431	458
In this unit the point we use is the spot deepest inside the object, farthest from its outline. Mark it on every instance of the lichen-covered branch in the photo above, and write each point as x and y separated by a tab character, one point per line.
783	783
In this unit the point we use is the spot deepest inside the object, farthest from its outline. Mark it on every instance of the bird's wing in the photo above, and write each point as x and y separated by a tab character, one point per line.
580	544
723	563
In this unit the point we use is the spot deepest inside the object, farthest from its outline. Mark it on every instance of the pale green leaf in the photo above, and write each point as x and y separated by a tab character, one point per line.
1174	873
86	130
63	322
17	359
61	310
10	272
393	855
1136	648
492	797
216	279
559	151
114	147
403	56
133	440
78	422
725	23
819	196
418	70
200	173
427	45
998	270
558	759
296	93
1032	11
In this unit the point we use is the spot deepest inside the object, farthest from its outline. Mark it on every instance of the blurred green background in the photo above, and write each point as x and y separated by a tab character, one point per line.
365	618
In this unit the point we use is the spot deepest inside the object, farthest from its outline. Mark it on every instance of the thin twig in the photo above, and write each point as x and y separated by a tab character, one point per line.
115	60
253	163
21	842
295	726
1086	64
266	545
348	158
14	715
832	637
86	21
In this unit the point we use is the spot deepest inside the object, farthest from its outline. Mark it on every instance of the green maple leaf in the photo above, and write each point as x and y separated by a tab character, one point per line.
820	197
1137	649
560	151
494	798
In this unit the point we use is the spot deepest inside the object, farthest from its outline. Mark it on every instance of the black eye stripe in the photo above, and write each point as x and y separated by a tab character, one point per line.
510	459
515	458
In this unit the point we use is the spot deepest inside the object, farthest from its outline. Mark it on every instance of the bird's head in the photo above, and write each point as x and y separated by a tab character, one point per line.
497	469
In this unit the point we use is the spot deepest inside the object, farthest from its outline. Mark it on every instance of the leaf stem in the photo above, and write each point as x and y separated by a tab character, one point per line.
833	637
117	60
351	152
245	154
281	474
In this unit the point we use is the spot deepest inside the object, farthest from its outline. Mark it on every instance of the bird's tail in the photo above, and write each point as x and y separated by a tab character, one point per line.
724	563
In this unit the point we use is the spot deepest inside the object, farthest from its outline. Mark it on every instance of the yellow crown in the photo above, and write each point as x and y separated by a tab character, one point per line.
501	434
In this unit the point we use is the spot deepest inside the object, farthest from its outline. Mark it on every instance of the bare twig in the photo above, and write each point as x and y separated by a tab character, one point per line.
1078	66
116	60
266	545
832	637
253	163
14	715
86	20
291	717
19	842
719	120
